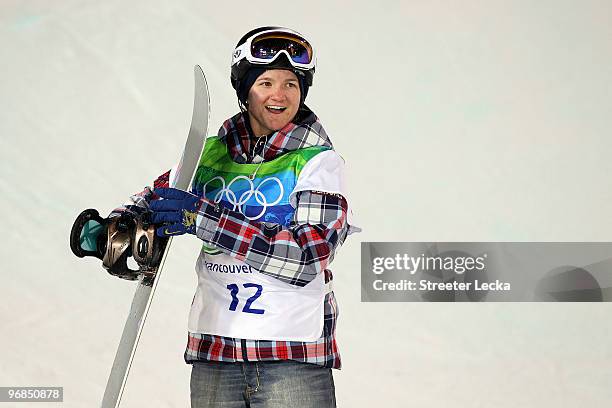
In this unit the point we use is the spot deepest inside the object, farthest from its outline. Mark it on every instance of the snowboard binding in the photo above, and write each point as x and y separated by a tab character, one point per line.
113	240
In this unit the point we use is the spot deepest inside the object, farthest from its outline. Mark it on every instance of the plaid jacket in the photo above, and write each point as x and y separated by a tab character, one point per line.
293	254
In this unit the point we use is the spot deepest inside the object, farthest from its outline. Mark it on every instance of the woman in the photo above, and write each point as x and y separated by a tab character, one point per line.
269	202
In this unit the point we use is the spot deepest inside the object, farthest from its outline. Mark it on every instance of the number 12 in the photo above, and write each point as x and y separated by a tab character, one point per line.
247	307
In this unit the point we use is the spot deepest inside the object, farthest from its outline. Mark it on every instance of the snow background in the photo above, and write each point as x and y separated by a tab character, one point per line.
459	121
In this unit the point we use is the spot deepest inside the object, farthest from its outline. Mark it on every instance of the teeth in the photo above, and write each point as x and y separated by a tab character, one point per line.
276	107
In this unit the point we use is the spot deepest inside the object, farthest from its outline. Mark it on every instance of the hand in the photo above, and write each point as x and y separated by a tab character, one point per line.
177	211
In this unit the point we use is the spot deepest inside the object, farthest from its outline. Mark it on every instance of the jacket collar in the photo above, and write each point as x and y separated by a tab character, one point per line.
304	131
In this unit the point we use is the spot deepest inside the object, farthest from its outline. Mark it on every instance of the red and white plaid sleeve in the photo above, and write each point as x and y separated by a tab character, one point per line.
293	254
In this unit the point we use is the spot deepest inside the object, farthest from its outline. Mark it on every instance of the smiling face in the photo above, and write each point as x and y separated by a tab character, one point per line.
273	101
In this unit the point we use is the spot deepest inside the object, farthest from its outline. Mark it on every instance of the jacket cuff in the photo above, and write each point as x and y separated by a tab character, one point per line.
207	221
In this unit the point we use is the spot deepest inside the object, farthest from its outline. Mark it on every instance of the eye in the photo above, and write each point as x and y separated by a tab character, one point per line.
291	85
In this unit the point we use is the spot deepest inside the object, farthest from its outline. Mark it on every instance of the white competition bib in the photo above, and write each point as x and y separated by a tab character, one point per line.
234	300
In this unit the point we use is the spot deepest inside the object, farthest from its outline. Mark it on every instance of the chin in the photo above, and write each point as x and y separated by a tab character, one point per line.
278	125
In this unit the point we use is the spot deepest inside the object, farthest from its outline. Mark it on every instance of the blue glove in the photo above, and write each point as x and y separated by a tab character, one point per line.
177	211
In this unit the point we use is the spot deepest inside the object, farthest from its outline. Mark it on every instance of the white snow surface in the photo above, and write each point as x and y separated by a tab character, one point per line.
459	121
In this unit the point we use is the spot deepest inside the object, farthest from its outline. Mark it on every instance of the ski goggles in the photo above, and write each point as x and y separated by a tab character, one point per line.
265	47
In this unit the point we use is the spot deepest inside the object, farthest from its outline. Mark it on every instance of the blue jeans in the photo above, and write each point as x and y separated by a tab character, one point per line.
274	384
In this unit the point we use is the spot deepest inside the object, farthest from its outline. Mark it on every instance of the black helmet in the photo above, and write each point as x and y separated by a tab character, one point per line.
273	47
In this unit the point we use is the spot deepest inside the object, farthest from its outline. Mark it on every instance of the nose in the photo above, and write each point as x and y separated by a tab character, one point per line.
279	92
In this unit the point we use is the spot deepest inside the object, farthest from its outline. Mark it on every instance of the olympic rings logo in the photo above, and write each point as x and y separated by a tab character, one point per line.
239	203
